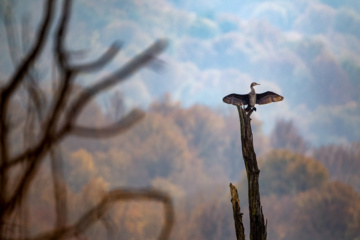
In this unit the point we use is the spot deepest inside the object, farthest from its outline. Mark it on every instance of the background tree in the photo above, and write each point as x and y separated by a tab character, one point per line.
315	213
286	136
342	162
285	172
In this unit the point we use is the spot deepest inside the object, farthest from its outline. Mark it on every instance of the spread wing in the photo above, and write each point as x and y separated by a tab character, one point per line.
237	99
268	97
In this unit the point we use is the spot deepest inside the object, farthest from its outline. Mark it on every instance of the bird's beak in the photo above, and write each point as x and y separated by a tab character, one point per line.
258	84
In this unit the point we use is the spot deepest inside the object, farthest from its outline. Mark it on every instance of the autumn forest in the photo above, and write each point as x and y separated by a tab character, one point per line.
136	143
193	153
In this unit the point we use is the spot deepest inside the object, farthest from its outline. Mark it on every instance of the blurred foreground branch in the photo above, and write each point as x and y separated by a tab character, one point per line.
55	119
112	197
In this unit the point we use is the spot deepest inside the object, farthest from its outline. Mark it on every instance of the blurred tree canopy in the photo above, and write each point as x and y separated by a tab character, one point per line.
284	172
328	213
342	161
286	136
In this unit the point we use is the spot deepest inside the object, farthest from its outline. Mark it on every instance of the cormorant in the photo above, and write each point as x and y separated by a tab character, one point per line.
252	98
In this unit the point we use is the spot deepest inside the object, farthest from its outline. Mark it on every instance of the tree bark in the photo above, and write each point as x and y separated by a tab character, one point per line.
257	222
239	227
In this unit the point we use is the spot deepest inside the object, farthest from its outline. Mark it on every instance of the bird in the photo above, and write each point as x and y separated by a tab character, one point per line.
252	98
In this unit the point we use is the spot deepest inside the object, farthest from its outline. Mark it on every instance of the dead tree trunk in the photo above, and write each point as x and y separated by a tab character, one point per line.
257	222
239	226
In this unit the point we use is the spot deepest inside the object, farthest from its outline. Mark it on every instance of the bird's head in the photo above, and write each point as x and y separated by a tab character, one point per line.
254	84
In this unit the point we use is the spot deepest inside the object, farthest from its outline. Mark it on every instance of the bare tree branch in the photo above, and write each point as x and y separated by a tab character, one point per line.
137	62
25	33
56	123
112	197
101	62
61	34
11	34
119	127
34	52
6	93
59	188
44	144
